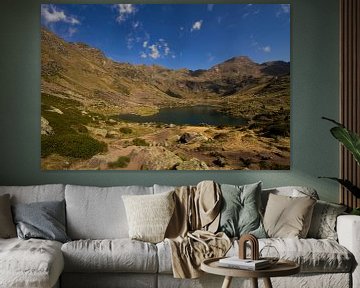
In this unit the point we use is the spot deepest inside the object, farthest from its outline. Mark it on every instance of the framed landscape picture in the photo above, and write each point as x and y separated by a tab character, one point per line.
165	87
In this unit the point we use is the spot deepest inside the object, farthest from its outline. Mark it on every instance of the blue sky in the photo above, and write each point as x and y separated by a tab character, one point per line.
193	36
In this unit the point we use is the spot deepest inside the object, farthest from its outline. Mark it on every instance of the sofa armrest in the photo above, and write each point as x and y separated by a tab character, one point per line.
348	230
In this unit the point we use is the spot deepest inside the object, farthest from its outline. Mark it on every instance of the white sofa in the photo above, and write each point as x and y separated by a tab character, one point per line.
101	255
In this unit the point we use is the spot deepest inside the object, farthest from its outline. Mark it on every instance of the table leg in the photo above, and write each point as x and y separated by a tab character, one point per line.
254	282
267	283
227	282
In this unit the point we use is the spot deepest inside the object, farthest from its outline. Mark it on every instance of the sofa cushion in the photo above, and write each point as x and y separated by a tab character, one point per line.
323	222
287	216
42	220
291	191
36	193
30	263
240	210
117	255
109	280
7	226
313	255
149	215
98	213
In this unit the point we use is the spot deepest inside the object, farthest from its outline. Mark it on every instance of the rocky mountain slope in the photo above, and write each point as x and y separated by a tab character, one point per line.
81	72
84	92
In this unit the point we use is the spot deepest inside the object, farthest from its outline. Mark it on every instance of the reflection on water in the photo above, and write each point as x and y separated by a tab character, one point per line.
192	115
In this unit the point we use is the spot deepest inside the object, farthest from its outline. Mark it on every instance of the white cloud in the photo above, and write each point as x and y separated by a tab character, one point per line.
245	15
130	42
210	7
266	49
181	28
136	24
159	49
124	10
51	14
166	50
155	54
72	31
197	25
250	10
258	46
284	9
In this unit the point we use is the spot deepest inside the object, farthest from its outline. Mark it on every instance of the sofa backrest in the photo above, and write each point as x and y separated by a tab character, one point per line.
36	193
98	212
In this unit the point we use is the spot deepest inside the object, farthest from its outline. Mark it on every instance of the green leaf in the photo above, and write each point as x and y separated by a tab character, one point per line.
347	184
333	121
348	138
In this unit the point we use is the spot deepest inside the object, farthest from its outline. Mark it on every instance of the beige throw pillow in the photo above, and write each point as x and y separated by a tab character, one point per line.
7	226
148	215
288	217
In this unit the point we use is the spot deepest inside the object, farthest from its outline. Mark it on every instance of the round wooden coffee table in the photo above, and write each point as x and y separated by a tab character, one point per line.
281	268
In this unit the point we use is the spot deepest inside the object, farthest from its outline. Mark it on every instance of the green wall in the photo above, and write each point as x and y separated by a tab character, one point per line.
315	69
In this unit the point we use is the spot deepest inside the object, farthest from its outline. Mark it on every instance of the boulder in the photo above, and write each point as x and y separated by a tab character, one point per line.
191	137
112	134
220	161
46	129
192	164
156	158
97	131
56	110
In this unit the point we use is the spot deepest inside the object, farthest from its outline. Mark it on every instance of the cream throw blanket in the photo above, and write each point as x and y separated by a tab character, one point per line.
191	231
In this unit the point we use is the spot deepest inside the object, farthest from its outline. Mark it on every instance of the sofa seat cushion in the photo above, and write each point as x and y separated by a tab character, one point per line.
30	263
115	255
313	255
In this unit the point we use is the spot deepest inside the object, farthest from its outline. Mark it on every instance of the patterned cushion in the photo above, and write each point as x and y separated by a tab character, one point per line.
323	223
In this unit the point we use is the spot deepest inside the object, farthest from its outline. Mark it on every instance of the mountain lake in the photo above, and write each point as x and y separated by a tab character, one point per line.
189	115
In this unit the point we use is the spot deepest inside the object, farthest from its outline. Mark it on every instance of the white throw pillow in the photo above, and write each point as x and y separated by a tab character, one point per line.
149	215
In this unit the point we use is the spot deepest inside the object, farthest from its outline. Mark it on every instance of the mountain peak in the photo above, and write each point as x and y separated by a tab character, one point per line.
239	60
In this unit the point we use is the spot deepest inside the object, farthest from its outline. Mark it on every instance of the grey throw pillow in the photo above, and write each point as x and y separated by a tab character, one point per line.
240	213
43	220
323	222
7	227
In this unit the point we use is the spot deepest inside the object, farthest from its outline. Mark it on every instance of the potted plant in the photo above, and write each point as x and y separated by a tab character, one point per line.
351	141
